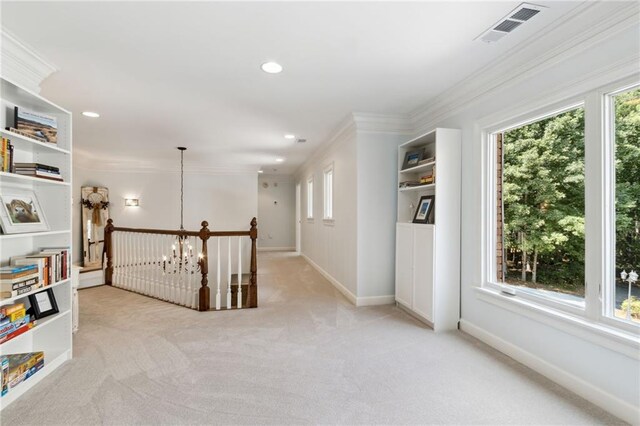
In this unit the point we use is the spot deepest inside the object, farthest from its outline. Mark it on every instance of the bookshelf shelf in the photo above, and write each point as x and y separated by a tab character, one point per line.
33	145
418	188
13	177
33	234
57	358
421	168
13	345
13	299
51	335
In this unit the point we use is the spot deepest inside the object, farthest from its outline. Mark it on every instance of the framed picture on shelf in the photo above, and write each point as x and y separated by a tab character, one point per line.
425	206
43	303
36	125
21	212
412	158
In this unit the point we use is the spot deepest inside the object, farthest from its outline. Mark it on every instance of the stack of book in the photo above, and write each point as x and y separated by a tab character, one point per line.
53	263
408	183
38	170
14	321
6	156
18	279
16	368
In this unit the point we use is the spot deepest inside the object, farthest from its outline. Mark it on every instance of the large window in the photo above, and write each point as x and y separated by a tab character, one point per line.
328	193
310	198
626	121
541	200
563	202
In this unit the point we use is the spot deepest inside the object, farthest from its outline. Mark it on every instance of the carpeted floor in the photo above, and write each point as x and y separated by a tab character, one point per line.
305	356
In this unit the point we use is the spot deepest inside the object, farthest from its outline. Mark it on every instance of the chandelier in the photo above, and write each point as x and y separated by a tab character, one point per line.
181	258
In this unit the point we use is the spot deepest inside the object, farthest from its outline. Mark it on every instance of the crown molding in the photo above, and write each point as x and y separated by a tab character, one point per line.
22	63
383	123
85	161
500	75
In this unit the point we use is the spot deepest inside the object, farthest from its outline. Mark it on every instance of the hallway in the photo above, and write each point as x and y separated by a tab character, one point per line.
305	356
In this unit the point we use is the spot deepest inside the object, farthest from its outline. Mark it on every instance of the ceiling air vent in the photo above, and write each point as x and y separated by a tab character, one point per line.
510	22
300	140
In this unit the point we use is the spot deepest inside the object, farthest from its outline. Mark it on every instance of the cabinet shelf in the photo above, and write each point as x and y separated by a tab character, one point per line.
33	145
16	178
420	168
52	360
5	348
417	188
33	234
21	296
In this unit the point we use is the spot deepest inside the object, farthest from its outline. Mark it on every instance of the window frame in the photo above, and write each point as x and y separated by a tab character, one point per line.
328	195
310	190
592	320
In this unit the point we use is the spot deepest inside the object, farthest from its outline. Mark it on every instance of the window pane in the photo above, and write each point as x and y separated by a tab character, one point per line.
627	169
310	199
543	207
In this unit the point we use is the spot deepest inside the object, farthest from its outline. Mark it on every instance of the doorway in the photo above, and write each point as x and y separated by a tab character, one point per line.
298	219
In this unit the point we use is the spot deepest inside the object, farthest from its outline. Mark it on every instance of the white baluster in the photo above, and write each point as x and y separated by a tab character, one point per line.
218	276
239	294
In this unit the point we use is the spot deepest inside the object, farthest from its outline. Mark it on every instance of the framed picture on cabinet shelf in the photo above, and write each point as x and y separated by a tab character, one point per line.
21	212
412	158
425	207
43	304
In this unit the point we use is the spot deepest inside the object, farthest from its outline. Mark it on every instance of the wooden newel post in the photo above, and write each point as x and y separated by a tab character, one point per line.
204	294
252	296
108	249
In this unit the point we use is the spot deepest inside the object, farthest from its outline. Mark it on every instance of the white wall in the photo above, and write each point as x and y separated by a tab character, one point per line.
333	247
377	155
227	202
276	212
606	377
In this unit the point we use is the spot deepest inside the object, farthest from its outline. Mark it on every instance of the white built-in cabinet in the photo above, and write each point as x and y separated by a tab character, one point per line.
428	254
52	334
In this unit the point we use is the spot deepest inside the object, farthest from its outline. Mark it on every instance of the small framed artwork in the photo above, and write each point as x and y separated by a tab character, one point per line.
43	303
425	206
21	212
412	158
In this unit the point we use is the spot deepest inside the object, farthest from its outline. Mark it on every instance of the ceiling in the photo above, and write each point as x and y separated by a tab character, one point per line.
165	74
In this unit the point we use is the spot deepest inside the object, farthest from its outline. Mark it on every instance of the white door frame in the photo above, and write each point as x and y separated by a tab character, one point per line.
298	219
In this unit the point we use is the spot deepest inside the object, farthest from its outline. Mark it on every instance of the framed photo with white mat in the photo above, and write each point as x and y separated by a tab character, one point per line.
21	212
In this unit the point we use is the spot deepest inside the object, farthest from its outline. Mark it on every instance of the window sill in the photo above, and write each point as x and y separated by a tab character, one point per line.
329	222
601	334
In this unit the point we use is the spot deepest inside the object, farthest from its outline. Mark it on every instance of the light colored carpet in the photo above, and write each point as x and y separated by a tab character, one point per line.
305	356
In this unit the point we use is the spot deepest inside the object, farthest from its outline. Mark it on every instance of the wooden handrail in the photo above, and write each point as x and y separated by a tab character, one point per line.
183	233
204	234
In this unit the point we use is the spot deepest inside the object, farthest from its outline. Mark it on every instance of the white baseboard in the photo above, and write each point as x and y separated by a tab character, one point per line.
91	279
357	301
276	249
588	391
375	300
337	284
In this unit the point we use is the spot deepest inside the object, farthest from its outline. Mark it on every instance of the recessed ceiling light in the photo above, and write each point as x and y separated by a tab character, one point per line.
279	160
271	67
260	171
91	114
289	136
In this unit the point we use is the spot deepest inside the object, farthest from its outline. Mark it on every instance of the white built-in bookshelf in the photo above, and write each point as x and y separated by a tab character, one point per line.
428	254
51	334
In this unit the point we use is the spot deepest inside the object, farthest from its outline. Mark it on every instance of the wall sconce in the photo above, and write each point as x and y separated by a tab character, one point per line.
131	202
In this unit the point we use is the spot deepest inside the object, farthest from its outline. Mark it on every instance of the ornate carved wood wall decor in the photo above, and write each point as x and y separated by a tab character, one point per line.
95	213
